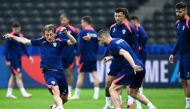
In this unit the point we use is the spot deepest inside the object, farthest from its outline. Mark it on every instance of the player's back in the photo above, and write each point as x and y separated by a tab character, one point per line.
117	44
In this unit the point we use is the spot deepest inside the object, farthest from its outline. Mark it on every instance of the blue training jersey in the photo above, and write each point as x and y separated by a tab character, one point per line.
50	52
127	32
115	46
88	49
183	37
69	51
142	39
14	49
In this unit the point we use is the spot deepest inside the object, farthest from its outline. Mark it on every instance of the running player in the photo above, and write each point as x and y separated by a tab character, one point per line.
69	52
183	47
121	29
88	47
13	56
132	70
51	64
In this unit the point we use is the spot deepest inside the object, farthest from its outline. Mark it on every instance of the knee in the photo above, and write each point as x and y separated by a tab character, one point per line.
132	93
19	76
110	89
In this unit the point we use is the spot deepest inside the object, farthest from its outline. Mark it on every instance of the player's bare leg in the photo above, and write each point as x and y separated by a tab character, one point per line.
138	103
64	98
134	92
57	99
70	80
109	80
10	87
96	85
130	99
79	85
21	86
186	87
115	95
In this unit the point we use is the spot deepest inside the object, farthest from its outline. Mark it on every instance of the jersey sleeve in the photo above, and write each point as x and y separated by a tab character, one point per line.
135	41
143	36
175	50
25	50
7	46
35	42
115	49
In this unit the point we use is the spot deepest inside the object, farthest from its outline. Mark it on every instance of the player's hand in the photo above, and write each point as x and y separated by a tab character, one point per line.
171	59
64	30
137	68
8	63
87	37
107	58
31	59
8	36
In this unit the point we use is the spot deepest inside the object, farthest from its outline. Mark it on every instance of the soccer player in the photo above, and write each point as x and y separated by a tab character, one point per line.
142	39
69	52
50	49
121	29
88	47
13	56
183	47
132	70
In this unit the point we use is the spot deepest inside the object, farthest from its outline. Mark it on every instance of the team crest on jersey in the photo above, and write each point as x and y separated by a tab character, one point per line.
123	31
54	44
113	29
183	27
53	82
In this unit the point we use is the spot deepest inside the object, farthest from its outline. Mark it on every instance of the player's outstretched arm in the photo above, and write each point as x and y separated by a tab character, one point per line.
71	40
18	39
128	57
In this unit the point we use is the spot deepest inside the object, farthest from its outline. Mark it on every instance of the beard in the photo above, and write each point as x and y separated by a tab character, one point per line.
180	17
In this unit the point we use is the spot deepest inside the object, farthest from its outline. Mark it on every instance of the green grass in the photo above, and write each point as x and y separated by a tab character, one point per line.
162	98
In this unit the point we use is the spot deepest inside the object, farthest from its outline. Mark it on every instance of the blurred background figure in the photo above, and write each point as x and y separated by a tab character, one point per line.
13	61
69	52
88	47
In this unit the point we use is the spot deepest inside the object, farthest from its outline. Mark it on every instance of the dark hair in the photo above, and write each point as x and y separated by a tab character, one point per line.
103	31
180	5
49	27
16	24
87	19
124	11
134	18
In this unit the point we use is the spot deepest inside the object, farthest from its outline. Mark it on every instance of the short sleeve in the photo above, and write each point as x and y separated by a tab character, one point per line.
36	42
115	49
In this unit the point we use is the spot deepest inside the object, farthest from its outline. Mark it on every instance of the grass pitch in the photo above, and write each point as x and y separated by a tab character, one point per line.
162	98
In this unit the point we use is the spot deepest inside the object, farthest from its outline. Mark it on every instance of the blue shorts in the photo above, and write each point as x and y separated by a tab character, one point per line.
128	77
56	78
87	66
184	67
68	62
114	72
15	66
